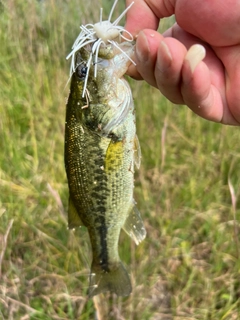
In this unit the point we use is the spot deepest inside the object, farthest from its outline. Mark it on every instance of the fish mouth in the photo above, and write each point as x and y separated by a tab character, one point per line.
108	59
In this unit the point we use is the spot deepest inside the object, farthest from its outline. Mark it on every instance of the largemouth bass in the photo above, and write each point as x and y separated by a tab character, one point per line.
101	148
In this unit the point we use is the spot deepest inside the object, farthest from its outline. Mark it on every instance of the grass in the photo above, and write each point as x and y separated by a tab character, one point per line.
187	190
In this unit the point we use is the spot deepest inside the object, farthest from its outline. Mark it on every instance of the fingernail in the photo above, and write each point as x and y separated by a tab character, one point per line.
165	50
165	58
194	55
142	48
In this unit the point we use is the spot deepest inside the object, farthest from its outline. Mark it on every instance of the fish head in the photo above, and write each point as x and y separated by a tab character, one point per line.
108	96
102	71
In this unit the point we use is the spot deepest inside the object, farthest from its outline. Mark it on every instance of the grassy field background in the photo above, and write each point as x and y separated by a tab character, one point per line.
187	189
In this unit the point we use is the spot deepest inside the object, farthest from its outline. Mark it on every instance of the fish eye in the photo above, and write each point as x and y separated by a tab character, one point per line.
82	72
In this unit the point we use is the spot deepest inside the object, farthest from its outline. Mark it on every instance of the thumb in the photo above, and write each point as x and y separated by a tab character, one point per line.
146	14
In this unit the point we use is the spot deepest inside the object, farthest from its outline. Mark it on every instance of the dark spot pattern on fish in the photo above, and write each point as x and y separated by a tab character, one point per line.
101	191
101	209
98	171
102	232
95	195
113	137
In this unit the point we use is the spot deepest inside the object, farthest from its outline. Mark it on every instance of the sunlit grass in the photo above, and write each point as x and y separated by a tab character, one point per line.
188	266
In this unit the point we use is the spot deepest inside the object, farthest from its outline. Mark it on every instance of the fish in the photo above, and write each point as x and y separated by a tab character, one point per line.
101	150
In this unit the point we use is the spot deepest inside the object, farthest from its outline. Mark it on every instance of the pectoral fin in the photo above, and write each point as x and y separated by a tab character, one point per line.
134	226
137	152
74	220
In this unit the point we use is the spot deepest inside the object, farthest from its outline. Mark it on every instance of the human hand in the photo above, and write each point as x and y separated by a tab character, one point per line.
211	88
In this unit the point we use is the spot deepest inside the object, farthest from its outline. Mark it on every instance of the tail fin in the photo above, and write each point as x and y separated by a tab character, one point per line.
116	280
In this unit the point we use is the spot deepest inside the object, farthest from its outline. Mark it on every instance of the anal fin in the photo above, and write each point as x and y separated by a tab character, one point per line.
134	225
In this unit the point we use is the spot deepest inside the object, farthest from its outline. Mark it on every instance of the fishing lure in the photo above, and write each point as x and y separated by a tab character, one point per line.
99	34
